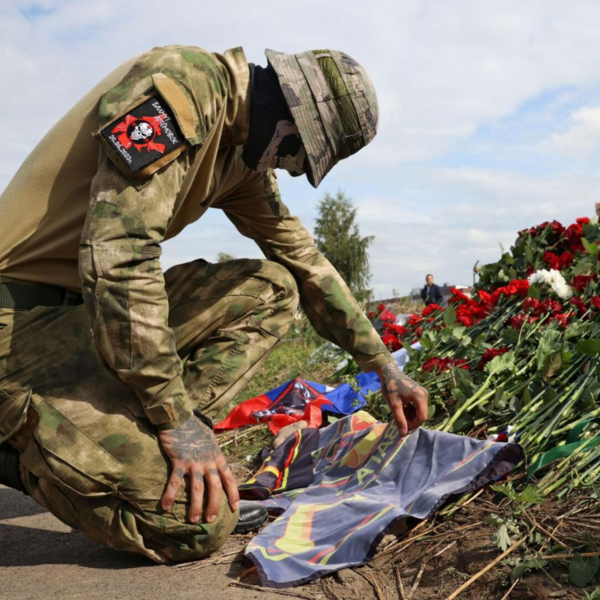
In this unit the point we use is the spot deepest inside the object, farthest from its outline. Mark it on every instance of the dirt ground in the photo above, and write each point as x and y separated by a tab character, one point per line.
41	558
437	564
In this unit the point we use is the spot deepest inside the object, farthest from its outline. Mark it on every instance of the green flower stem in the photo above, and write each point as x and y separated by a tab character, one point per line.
483	388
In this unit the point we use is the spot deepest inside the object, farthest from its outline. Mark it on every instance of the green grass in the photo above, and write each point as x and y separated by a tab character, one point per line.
287	360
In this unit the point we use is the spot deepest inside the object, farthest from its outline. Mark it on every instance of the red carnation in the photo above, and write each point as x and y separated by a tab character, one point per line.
414	319
573	234
580	282
490	354
461	363
579	305
562	318
551	260
549	306
430	309
465	319
401	331
485	297
381	307
391	341
532	231
458	296
595	302
516	287
531	304
443	364
517	322
398	330
566	259
387	315
438	364
557	228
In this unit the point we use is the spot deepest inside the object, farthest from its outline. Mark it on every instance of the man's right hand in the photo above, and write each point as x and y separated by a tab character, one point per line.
406	398
194	451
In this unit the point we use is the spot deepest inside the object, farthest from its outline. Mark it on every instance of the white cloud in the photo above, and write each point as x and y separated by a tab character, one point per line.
443	70
583	135
448	239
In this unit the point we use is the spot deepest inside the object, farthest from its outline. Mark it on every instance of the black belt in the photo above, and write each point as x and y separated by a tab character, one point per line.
25	296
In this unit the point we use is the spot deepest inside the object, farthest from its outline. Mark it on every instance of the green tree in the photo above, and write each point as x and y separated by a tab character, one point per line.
224	257
338	237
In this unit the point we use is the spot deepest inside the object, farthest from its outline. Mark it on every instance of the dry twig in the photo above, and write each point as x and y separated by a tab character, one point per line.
399	583
329	589
512	587
458	505
408	538
372	581
206	562
417	580
491	565
246	433
567	556
551	537
444	549
246	572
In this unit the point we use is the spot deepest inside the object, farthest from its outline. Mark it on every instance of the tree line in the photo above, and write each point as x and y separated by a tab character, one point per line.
337	235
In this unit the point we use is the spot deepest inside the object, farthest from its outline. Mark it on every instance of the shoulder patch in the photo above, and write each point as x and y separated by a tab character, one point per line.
145	135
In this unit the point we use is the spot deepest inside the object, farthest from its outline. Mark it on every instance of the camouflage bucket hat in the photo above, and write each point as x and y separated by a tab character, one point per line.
332	101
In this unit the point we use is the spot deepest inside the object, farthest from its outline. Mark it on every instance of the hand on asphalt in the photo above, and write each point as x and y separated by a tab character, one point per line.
407	400
195	453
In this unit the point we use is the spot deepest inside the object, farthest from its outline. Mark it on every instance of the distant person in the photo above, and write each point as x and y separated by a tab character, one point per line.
431	292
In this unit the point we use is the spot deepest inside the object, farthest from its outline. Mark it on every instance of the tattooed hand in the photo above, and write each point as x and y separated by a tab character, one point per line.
194	451
407	399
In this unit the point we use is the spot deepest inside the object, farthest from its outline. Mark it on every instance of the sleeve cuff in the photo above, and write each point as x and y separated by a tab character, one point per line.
376	362
169	416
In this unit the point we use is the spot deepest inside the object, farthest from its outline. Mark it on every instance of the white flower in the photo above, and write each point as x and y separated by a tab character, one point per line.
553	279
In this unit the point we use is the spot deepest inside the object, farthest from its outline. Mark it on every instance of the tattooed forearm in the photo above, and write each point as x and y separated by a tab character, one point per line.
194	453
406	398
395	383
191	441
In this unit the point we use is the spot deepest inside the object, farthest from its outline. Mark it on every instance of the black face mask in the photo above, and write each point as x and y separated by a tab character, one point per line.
273	141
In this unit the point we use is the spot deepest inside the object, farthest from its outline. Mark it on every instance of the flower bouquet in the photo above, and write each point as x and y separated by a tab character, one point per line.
521	354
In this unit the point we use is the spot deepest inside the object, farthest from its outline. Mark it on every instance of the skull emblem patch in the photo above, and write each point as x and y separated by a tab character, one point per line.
145	134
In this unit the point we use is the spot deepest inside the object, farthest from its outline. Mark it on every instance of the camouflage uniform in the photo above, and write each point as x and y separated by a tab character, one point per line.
169	344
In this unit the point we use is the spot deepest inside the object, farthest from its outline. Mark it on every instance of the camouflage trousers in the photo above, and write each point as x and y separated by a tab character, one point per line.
88	453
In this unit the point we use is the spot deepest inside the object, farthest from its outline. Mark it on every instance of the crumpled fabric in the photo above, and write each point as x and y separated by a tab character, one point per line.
340	489
295	400
301	400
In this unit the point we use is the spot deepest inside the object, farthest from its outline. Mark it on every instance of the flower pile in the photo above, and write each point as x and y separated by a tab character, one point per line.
553	279
522	352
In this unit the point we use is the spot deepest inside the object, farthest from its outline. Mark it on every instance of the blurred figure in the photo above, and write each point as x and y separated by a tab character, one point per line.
431	292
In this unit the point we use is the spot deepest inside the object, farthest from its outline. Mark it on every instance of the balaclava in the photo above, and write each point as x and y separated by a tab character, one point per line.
273	141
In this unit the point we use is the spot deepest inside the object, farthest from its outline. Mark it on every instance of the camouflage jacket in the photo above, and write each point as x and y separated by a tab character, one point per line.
207	97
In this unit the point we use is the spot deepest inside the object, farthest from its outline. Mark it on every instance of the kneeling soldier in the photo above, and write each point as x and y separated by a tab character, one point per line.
108	369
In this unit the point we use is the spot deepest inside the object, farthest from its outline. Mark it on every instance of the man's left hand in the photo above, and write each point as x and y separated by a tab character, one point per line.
407	400
194	452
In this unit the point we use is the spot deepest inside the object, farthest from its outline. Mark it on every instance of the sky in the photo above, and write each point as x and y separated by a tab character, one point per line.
489	111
